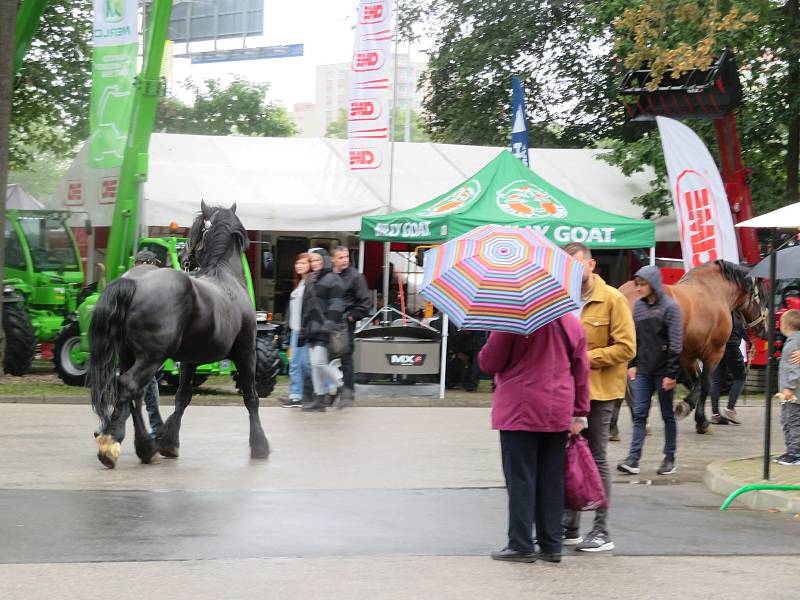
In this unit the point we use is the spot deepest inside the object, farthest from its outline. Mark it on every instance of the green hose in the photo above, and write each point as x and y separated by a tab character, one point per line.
758	486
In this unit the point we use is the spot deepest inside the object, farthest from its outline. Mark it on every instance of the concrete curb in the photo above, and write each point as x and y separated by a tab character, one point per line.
724	484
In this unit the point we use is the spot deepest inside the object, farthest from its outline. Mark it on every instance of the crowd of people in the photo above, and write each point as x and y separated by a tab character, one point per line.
567	377
328	299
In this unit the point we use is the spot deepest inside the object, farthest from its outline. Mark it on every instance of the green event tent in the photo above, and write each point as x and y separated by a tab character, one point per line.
506	192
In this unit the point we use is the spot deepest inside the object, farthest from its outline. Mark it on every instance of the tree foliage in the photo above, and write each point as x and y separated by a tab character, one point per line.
238	108
51	96
338	128
571	57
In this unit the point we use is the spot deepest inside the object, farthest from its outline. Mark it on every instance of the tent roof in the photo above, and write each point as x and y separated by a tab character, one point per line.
506	192
16	197
303	184
786	217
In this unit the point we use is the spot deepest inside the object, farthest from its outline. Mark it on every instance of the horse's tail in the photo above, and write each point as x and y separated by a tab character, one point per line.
106	337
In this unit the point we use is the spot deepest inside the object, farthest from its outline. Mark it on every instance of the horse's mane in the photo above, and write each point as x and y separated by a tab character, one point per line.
736	274
226	227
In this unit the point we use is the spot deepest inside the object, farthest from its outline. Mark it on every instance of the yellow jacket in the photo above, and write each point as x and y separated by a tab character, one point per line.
611	335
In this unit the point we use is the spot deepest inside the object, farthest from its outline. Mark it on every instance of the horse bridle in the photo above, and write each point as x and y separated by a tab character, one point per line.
754	297
192	258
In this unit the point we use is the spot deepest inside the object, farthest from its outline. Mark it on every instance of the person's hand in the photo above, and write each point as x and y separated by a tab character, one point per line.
668	384
350	318
787	394
795	358
578	425
632	373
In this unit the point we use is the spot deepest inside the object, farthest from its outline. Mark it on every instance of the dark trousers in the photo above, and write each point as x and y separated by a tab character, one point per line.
597	435
151	403
645	385
347	360
618	404
733	363
790	423
533	465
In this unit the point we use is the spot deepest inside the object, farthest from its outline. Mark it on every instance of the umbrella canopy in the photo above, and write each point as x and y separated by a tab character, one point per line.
788	264
787	217
502	279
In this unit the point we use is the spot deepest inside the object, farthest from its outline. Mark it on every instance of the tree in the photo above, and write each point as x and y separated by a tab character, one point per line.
51	96
239	108
338	128
571	57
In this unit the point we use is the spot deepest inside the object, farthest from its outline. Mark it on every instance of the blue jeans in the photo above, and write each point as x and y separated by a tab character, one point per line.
299	367
644	386
151	403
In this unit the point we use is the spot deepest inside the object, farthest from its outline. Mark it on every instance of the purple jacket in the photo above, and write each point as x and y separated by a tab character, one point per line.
541	379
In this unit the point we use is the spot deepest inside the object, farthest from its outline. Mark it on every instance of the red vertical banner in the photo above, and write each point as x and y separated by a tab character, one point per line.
368	106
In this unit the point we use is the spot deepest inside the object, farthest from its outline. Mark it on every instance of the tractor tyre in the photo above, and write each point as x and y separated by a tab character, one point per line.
20	338
173	380
268	365
68	371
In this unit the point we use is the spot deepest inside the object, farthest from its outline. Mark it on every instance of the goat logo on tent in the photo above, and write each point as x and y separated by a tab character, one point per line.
458	198
523	199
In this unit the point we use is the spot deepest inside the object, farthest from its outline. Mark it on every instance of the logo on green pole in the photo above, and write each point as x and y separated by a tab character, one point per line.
114	10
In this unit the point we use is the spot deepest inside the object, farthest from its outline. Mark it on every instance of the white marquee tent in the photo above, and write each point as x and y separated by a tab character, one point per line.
303	184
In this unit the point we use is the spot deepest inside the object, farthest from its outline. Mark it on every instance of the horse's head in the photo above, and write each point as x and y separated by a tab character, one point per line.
215	232
753	309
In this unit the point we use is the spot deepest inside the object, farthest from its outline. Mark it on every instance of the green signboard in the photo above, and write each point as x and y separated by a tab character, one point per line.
506	192
113	69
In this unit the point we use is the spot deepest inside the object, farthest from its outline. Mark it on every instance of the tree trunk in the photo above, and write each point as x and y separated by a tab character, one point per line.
793	92
8	17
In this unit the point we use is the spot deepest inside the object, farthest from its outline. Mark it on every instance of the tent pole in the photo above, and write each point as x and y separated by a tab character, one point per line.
443	363
386	246
361	256
653	255
773	238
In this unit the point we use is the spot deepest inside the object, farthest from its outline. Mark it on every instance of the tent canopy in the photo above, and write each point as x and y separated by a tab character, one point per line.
304	184
16	197
506	192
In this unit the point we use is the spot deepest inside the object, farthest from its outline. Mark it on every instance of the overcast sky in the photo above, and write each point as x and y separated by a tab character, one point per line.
324	26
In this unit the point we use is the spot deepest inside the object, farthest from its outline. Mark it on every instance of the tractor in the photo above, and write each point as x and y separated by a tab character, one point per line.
42	281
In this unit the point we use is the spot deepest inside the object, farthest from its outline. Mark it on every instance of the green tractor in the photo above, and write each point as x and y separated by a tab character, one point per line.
72	349
42	281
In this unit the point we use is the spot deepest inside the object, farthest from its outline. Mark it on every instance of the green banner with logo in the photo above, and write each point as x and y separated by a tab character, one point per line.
113	70
506	192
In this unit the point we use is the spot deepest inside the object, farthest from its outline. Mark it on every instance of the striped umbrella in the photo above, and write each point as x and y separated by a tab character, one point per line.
502	279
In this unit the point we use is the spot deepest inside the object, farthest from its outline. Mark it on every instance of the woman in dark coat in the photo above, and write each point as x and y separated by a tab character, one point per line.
541	395
323	309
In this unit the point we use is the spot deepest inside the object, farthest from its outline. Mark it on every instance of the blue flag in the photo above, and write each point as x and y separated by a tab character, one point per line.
519	130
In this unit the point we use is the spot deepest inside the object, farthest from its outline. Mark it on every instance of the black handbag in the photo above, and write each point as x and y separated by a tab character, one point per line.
338	341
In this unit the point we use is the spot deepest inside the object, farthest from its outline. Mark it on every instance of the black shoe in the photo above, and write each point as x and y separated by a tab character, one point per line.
344	399
514	555
291	402
629	466
318	404
571	537
667	466
553	557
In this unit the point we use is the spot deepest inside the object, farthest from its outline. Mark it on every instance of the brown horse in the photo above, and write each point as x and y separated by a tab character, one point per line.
707	295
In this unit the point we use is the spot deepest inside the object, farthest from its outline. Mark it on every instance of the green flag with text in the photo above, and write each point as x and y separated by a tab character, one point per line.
113	69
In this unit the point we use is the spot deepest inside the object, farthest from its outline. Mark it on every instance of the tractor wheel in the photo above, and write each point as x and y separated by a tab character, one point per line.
268	365
20	338
68	370
173	380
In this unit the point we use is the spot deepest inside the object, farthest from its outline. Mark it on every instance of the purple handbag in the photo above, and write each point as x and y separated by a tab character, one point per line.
583	485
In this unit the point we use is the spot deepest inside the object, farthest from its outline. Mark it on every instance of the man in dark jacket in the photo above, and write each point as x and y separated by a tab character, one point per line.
659	342
357	306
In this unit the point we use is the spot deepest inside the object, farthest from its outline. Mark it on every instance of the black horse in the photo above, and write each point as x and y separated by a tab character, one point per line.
153	314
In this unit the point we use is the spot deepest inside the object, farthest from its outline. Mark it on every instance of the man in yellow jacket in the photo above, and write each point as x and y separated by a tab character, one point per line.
611	336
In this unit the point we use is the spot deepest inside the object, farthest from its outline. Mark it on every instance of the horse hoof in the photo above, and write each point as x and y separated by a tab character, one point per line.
701	429
682	409
108	450
169	452
260	451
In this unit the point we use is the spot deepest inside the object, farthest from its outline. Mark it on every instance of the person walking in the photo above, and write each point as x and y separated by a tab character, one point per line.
732	363
322	310
357	306
788	382
611	339
299	365
659	342
541	395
